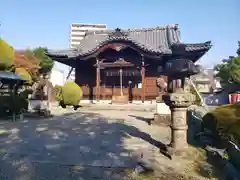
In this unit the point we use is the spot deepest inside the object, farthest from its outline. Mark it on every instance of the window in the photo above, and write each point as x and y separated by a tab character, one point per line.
77	35
76	40
78	30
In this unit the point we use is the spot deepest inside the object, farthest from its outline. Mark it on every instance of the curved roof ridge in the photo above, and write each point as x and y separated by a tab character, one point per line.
173	26
170	26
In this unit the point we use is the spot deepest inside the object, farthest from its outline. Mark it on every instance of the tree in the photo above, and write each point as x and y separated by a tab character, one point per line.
34	61
46	63
229	69
234	69
238	50
6	55
223	71
26	60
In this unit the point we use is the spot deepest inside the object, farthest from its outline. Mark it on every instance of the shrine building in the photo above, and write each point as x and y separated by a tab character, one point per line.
125	64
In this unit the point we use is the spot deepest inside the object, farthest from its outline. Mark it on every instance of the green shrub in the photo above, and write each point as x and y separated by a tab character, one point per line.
58	93
25	93
24	74
9	105
6	55
225	121
71	94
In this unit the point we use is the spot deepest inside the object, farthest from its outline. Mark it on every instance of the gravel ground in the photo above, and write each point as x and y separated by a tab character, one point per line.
94	144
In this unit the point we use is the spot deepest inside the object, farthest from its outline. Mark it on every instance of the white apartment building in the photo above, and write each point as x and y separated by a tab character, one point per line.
77	33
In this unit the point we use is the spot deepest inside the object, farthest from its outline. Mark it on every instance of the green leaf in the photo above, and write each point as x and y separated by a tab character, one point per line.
234	69
229	69
238	50
46	63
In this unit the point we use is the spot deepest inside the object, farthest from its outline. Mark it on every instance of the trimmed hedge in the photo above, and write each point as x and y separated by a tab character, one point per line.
225	122
11	105
14	104
6	55
69	94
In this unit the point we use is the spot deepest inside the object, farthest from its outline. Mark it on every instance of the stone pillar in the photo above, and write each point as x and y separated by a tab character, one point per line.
178	101
179	128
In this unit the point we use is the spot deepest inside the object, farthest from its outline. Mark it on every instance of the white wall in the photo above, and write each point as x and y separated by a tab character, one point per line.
57	77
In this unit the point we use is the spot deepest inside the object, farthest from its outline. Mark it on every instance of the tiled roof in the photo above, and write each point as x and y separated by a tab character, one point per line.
157	40
69	53
10	76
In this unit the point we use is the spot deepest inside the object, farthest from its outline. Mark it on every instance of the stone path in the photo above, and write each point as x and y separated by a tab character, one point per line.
80	145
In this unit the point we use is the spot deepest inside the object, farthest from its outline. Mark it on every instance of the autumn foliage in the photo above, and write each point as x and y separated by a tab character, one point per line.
25	60
22	72
33	61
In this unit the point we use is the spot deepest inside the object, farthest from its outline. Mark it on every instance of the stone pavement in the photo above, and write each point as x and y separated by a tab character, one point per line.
81	145
121	107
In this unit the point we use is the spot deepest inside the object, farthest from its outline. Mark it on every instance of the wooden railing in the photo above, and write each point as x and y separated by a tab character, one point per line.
107	93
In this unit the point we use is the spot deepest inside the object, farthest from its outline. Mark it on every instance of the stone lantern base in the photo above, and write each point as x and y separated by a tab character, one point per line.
178	102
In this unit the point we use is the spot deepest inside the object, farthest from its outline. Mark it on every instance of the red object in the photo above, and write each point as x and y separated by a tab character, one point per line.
234	98
177	83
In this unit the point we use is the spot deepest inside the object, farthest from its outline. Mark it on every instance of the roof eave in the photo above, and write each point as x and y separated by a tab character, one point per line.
206	46
67	61
69	53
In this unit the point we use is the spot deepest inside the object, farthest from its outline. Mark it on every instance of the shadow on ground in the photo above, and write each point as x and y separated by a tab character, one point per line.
70	146
66	147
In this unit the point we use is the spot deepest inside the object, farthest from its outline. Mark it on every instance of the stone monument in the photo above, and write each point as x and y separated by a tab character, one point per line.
178	101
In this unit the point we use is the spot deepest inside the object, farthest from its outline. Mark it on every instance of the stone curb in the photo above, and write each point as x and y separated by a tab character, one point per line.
118	109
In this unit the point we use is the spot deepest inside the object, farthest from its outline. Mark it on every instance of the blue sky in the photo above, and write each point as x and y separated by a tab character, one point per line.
29	23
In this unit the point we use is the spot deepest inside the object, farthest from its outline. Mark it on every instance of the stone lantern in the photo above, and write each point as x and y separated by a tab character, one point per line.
178	101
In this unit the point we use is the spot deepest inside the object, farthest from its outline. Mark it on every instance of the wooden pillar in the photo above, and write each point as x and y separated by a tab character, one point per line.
143	78
97	80
121	81
104	87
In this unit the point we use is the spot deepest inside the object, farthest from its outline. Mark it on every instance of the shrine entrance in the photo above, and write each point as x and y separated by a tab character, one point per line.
118	80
